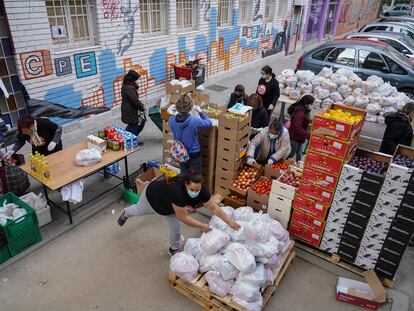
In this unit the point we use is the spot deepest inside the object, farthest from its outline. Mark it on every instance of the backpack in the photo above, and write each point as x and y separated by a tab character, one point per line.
178	151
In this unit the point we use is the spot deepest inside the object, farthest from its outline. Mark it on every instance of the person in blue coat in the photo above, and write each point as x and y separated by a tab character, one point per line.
185	129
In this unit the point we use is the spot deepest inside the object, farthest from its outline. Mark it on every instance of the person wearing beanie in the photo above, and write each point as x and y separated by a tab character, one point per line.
132	109
185	129
399	130
270	145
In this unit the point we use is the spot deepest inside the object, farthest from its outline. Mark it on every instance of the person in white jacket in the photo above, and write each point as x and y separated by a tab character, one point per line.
270	145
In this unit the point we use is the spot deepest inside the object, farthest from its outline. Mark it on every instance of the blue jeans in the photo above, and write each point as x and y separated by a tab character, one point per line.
194	164
297	150
135	128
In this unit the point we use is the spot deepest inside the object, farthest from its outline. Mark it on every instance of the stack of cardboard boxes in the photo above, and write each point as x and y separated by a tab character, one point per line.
233	139
332	142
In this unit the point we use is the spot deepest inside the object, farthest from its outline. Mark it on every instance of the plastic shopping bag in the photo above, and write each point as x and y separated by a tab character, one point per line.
246	291
192	246
257	277
217	285
241	258
184	265
226	269
213	241
88	157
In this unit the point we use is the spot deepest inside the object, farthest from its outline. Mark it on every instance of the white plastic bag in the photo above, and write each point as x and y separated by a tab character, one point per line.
373	108
326	103
244	213
287	90
217	285
375	80
228	210
88	157
291	81
184	265
388	109
246	291
241	258
265	249
213	241
37	201
295	94
218	223
256	231
349	100
329	85
371	118
321	93
326	72
281	79
317	81
375	98
226	269
339	78
384	89
336	97
361	101
345	90
257	277
345	72
305	88
207	262
288	73
354	81
192	246
388	101
238	235
305	76
356	92
273	260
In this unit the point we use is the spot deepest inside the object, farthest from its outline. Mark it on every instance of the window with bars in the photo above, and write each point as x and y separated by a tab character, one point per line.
154	17
224	16
186	11
245	11
268	11
72	23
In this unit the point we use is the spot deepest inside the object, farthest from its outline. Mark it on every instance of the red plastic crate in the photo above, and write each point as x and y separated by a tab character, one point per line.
310	206
182	72
319	178
308	221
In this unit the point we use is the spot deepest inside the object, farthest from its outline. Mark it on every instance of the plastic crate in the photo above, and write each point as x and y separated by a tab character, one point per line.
24	240
17	226
182	72
130	196
129	183
4	254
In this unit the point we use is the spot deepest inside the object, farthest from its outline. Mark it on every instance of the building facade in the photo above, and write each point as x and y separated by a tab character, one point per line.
334	17
75	52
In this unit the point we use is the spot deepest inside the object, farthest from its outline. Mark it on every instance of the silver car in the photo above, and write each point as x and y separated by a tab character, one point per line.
398	19
365	58
399	41
389	26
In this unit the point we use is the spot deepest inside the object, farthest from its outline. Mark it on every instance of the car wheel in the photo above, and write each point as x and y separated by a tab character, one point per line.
386	14
408	92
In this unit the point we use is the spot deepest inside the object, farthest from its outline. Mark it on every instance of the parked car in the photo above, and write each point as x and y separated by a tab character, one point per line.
399	41
365	58
389	26
398	19
401	9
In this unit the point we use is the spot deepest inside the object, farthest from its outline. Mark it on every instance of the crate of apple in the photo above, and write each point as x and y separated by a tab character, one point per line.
290	178
263	186
245	179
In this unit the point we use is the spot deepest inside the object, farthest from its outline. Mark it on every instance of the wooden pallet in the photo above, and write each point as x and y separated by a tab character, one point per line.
197	290
337	260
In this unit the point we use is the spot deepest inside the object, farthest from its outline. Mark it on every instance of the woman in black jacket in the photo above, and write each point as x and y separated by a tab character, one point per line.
399	130
268	89
42	134
260	117
238	96
132	109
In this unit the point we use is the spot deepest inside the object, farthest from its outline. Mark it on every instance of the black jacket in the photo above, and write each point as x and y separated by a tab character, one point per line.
260	117
131	105
269	91
398	132
233	100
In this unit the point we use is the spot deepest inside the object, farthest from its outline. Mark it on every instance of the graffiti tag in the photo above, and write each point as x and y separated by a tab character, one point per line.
111	9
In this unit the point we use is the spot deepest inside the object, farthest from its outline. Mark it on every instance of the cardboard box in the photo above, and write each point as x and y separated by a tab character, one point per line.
200	98
319	178
308	221
243	193
324	163
283	189
332	147
316	193
178	89
310	206
367	295
221	185
145	178
275	174
305	234
233	125
234	201
280	208
228	164
338	129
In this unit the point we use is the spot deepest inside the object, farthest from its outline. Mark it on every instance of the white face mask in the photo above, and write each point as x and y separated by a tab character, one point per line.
193	194
264	76
272	136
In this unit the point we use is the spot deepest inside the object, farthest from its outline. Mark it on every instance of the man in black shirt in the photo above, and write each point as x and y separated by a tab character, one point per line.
175	199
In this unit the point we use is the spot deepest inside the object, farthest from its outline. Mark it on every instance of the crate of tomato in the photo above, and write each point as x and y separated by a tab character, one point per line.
277	169
258	194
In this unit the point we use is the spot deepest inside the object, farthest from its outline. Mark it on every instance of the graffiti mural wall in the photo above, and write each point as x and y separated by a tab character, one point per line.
91	76
355	13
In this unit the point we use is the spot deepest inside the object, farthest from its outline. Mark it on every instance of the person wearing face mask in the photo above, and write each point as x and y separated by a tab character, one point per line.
268	89
41	133
260	117
270	145
238	96
399	130
175	199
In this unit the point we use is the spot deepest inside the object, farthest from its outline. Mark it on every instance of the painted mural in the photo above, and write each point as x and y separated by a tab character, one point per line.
356	13
220	49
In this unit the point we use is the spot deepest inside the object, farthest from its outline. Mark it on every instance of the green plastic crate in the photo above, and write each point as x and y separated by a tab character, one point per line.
4	254
24	240
17	226
131	197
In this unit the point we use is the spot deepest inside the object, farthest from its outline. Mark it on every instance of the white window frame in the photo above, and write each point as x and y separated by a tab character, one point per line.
181	28
70	41
229	17
245	11
269	7
282	4
150	32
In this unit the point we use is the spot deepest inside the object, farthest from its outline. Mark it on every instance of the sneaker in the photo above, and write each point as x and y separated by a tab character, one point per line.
172	252
122	219
140	144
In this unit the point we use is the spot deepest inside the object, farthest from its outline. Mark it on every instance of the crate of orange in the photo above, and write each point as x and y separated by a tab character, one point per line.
258	194
277	169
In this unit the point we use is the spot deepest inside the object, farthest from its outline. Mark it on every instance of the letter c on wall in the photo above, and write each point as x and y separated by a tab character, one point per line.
36	64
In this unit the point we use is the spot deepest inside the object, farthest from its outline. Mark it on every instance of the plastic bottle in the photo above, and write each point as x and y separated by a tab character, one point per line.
46	170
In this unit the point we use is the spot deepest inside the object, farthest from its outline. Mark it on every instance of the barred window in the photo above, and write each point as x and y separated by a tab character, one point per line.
186	11
245	11
72	23
225	8
269	7
154	17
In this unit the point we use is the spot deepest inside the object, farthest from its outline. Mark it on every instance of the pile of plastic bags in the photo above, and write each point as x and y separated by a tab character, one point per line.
10	211
240	262
344	87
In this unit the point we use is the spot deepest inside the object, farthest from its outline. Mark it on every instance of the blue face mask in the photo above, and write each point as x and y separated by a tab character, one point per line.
193	194
272	136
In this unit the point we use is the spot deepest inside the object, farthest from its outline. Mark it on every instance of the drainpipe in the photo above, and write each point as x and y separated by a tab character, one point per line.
336	19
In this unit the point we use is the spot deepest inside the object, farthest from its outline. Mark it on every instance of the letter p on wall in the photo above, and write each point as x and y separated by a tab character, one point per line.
36	64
